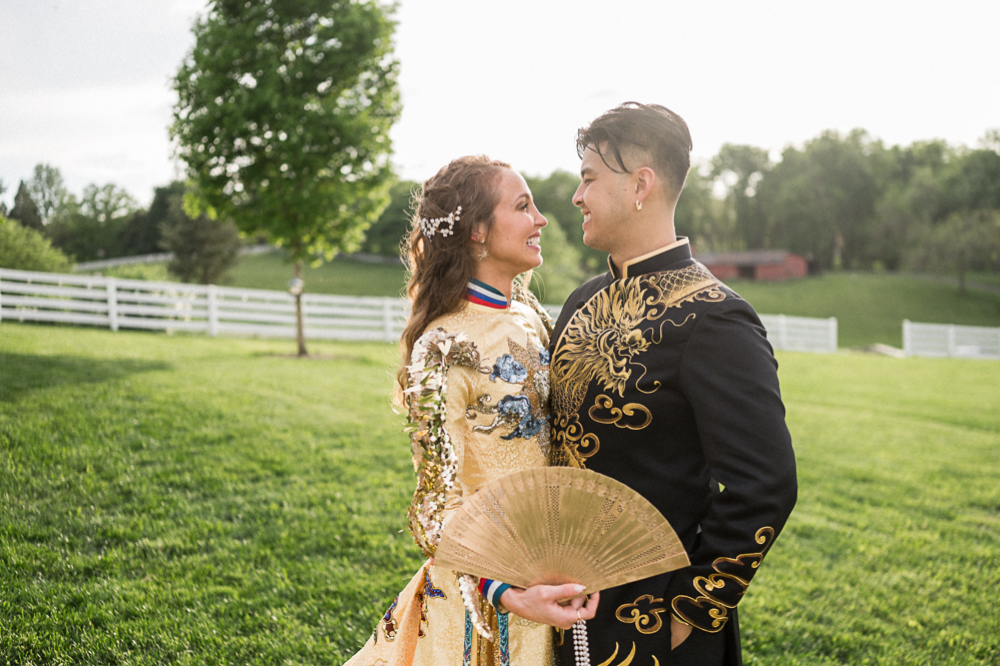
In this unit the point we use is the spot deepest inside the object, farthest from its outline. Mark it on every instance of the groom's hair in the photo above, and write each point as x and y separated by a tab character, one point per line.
641	133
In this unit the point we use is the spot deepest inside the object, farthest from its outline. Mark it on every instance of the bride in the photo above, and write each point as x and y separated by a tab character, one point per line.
475	384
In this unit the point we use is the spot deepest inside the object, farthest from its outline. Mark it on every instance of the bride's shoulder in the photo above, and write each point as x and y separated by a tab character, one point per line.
533	318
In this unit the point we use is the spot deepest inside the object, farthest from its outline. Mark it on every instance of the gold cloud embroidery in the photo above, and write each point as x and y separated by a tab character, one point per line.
709	598
621	418
645	623
572	444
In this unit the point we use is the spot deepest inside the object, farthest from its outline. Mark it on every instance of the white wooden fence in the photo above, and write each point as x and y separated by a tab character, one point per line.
169	306
117	303
802	334
977	342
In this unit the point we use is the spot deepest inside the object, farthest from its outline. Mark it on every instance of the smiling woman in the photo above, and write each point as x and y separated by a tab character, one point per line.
512	243
475	385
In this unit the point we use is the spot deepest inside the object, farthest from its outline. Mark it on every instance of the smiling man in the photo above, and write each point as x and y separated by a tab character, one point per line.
662	378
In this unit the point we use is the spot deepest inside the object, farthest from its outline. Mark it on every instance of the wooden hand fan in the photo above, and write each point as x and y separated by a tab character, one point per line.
556	525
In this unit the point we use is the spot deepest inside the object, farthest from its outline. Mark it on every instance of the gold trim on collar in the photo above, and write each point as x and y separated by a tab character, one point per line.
631	262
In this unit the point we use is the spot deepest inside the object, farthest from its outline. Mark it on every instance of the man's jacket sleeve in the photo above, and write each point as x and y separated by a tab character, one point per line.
729	376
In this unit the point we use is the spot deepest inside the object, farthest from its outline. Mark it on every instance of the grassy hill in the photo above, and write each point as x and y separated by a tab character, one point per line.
187	500
870	307
340	276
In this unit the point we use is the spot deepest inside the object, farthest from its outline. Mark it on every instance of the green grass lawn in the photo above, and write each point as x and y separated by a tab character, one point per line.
187	500
991	279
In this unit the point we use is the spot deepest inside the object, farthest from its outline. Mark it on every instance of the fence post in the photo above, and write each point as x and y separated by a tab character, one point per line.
1	295
387	317
951	339
907	338
833	335
213	311
783	332
112	303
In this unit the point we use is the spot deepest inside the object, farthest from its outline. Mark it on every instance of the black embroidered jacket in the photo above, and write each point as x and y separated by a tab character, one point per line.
662	378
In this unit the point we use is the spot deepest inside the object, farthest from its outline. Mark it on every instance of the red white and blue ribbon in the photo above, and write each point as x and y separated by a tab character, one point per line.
483	294
492	590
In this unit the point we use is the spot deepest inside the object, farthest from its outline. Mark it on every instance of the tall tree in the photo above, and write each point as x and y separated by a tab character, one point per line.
48	190
820	200
107	204
386	234
283	114
702	217
913	195
142	232
91	227
966	241
25	210
203	248
740	169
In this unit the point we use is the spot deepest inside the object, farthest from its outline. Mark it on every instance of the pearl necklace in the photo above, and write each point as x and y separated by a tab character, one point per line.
580	647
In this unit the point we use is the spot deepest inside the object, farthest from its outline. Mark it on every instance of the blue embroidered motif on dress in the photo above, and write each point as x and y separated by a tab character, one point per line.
509	370
520	406
430	591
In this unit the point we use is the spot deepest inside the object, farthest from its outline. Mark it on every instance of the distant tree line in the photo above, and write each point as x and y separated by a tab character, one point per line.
106	222
841	201
849	201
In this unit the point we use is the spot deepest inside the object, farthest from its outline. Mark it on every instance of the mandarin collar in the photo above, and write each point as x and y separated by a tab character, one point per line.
657	260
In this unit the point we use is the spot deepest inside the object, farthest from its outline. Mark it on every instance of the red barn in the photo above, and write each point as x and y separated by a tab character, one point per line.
769	265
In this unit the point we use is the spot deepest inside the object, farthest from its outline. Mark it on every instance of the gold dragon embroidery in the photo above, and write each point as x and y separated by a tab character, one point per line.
601	342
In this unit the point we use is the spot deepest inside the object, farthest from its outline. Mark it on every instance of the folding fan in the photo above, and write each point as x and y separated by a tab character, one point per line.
556	525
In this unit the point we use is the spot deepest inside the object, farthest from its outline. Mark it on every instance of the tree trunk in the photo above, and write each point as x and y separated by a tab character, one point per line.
299	329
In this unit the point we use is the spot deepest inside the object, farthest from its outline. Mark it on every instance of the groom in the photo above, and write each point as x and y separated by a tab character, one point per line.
663	379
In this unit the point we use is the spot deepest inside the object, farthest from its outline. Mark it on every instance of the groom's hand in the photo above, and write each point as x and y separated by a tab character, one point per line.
556	605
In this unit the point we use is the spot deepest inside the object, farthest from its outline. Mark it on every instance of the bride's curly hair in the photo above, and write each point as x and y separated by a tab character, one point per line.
439	267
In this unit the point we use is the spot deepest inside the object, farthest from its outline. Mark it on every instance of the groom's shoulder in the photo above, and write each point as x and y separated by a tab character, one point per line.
583	293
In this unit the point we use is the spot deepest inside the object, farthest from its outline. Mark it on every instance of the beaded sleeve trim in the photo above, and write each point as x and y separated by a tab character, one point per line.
433	353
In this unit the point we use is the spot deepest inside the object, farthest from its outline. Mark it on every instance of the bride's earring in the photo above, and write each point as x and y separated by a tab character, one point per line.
483	253
638	205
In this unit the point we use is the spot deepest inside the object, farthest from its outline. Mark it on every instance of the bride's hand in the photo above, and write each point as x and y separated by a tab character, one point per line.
556	605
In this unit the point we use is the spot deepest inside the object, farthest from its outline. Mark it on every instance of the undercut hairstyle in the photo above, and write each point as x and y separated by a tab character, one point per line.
645	128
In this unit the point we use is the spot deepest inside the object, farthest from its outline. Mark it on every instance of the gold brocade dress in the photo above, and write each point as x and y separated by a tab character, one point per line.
497	418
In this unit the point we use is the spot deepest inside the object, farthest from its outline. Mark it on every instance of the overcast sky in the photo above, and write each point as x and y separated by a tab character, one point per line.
84	84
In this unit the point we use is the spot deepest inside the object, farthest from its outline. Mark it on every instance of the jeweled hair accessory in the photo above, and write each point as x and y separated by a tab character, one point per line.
433	226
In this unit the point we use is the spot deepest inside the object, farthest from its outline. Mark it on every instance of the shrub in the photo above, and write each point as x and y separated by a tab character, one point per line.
28	250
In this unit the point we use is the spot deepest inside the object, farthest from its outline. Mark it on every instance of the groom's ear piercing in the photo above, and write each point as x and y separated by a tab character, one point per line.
638	205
